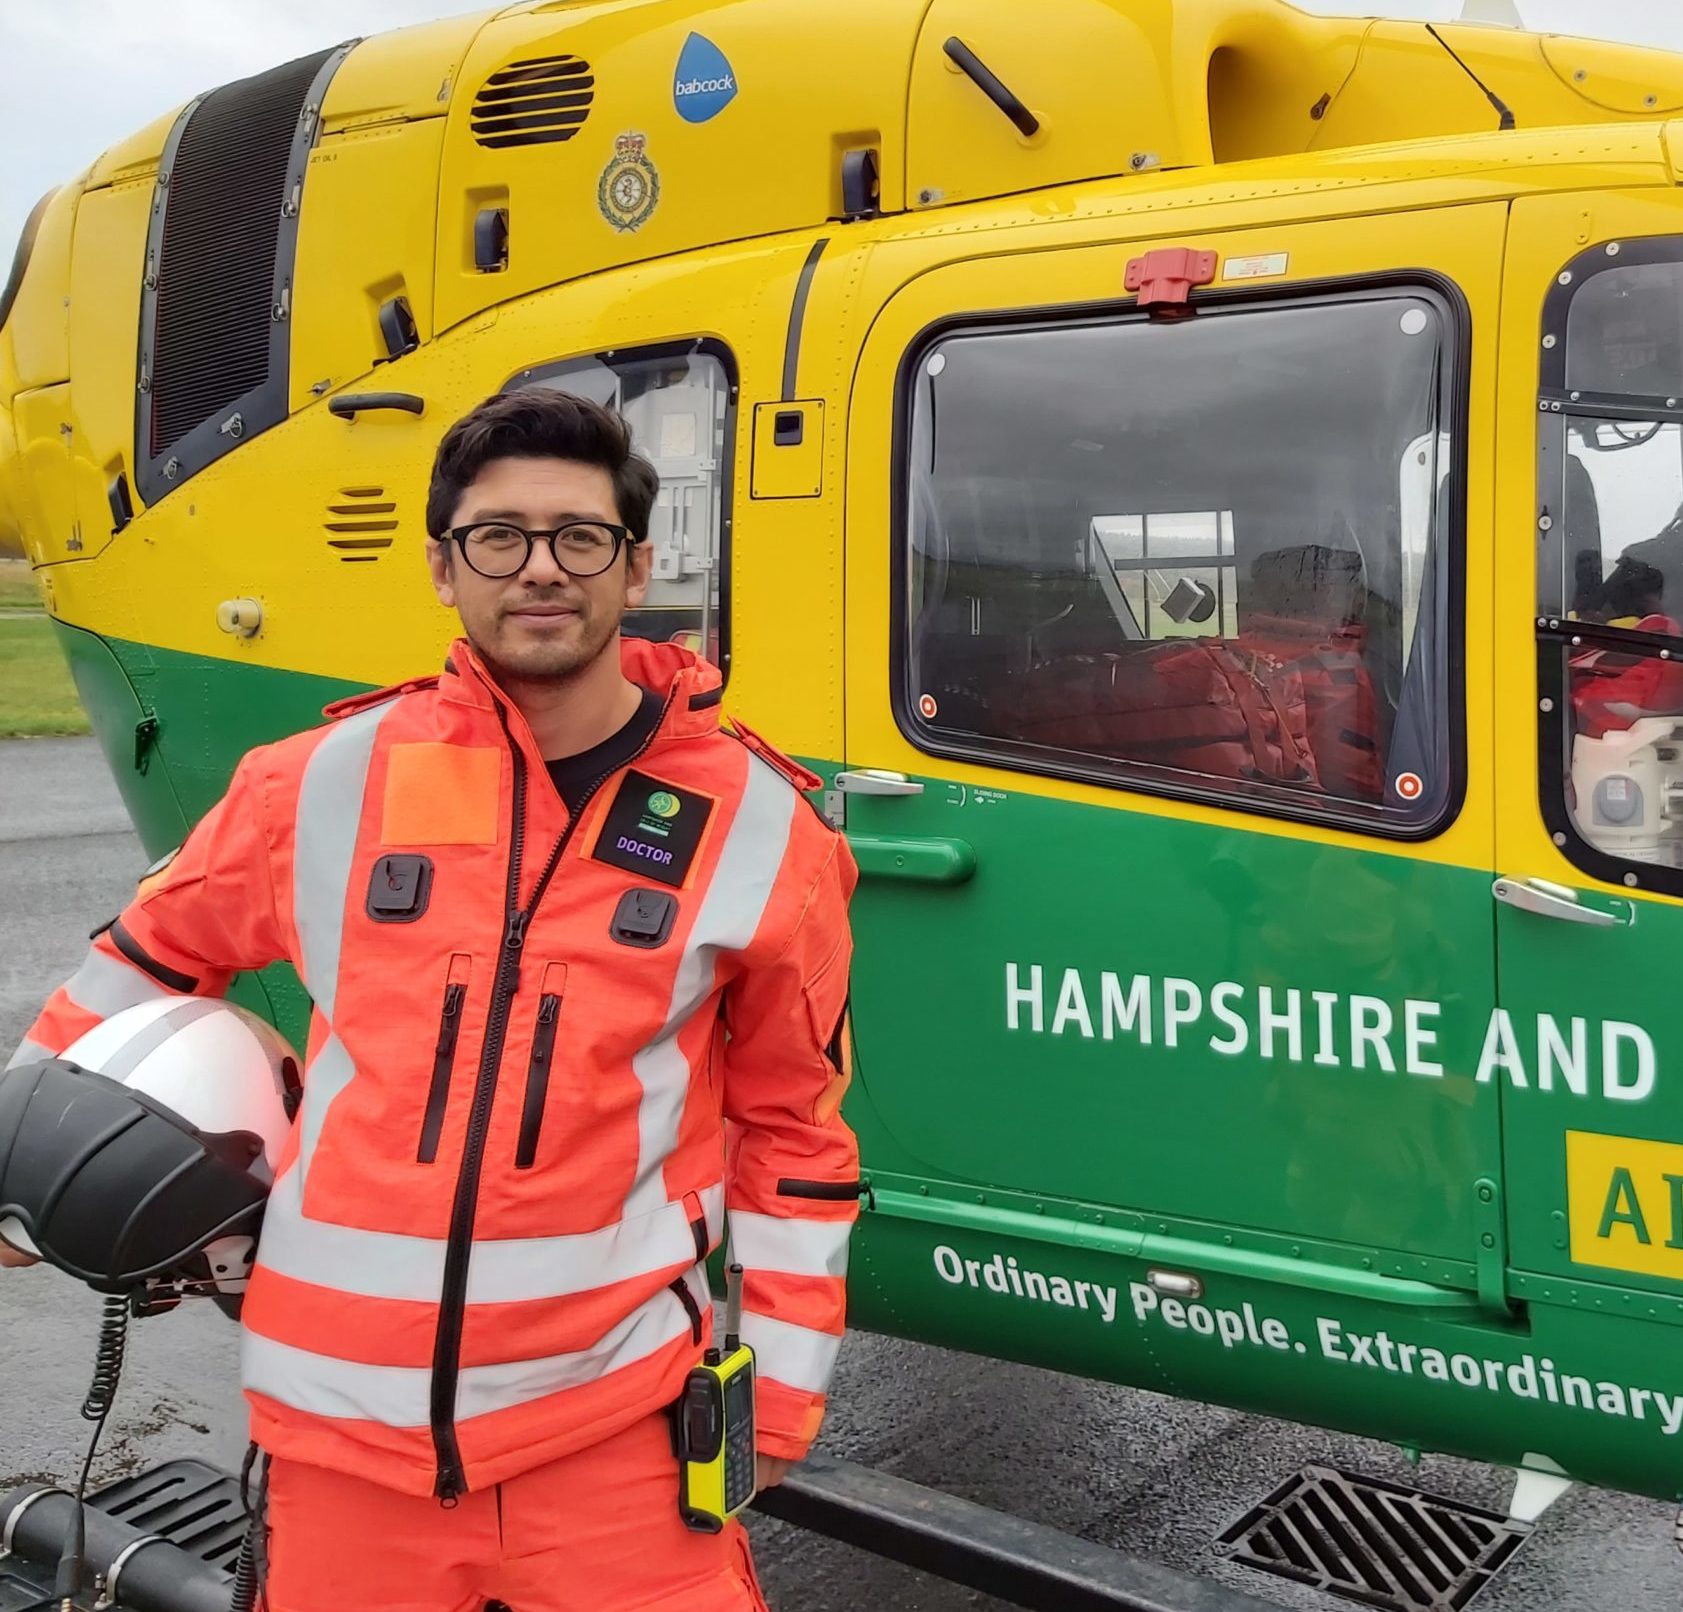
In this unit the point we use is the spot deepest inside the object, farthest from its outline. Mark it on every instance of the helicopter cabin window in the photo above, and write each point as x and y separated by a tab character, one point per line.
1611	561
680	402
1210	557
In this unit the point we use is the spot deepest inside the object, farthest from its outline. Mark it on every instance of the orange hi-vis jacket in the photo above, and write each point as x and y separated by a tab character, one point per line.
532	1040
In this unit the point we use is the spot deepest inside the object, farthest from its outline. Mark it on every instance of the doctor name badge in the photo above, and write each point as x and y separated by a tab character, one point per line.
654	829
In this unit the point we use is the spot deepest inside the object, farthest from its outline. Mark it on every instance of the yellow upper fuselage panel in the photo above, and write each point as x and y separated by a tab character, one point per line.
440	172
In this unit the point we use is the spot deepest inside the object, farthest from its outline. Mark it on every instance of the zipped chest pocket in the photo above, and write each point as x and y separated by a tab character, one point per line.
444	1056
540	1063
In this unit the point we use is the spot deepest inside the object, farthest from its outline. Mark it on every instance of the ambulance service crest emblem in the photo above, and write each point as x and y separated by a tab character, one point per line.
629	189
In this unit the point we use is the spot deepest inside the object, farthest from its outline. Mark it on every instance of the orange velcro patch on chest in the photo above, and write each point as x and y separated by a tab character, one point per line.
441	794
774	758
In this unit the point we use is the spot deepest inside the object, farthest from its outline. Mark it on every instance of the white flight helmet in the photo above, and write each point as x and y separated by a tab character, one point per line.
143	1157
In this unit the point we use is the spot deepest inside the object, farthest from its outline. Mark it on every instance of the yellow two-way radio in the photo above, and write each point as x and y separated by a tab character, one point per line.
715	1427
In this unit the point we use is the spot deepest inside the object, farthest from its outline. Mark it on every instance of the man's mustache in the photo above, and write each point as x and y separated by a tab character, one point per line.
550	596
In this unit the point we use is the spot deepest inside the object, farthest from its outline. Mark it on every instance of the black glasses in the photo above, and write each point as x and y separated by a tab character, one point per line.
580	548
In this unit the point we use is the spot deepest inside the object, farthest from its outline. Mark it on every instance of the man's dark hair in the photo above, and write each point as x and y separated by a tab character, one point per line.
538	422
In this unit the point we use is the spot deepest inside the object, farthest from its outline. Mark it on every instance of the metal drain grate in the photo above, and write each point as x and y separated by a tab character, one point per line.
1375	1542
189	1503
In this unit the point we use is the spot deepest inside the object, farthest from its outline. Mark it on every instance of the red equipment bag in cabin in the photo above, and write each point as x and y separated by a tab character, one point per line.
1196	704
1610	691
1341	710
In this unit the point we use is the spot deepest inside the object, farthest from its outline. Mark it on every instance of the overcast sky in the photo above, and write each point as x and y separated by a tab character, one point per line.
76	75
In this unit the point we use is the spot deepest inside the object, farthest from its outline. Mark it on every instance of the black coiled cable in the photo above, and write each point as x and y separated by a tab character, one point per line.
252	1567
108	1359
102	1392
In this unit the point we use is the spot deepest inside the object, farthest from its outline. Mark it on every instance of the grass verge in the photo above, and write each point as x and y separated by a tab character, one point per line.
36	694
18	590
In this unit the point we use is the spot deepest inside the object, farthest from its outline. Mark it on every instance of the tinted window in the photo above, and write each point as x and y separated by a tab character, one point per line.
1209	556
1624	330
682	414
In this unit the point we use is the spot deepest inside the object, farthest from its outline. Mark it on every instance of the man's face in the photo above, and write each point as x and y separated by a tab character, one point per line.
541	623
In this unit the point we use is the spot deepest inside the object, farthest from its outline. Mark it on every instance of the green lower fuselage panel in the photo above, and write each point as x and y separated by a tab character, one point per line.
1106	1138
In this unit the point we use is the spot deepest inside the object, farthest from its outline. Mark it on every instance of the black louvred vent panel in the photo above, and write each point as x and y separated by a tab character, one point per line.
216	268
534	102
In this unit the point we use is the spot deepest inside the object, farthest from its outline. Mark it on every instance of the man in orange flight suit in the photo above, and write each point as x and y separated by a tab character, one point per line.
578	956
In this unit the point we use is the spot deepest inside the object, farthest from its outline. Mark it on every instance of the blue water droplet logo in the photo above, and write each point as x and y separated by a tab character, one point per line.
705	83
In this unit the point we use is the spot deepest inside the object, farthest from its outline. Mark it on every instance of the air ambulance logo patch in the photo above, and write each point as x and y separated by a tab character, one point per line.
654	829
629	189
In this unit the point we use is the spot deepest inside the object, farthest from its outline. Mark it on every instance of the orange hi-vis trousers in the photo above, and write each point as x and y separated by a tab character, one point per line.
596	1531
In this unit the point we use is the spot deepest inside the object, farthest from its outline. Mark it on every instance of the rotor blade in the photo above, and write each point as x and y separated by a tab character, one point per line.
1500	13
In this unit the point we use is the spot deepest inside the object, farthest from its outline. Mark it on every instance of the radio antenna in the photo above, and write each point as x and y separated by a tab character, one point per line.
733	1309
1502	108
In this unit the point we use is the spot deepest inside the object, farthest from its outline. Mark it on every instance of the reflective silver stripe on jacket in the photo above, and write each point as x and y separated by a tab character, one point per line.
502	1270
791	1247
330	811
730	914
29	1052
399	1396
106	985
796	1356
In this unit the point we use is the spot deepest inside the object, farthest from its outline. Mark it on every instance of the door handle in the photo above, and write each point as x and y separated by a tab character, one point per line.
347	407
874	781
1550	900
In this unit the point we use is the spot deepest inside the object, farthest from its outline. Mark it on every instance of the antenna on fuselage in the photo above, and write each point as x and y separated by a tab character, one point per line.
1506	116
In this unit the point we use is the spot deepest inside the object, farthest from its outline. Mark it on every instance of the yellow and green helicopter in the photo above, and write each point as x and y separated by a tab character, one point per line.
1200	483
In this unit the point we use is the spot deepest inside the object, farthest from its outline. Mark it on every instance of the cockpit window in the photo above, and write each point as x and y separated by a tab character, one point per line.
679	403
1210	557
1610	567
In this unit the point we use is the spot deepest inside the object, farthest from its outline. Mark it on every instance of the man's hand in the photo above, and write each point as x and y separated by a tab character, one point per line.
12	1259
769	1471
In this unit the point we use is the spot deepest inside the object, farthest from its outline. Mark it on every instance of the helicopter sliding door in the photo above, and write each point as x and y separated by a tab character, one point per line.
1168	748
1589	1050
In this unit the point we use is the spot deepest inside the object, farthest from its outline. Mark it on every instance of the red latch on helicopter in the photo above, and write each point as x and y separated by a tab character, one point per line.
1165	276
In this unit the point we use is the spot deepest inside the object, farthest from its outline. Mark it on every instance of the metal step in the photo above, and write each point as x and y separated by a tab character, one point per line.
1374	1542
189	1503
1027	1563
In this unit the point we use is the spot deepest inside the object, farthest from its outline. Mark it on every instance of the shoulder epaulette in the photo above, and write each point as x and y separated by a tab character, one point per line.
793	771
352	703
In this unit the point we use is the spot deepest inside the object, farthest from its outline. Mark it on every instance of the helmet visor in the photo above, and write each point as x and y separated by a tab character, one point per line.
110	1185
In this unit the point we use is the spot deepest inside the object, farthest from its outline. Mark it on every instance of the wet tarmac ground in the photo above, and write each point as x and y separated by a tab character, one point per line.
1156	1477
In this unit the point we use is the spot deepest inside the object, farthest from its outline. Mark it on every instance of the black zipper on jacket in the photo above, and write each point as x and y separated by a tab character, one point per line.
447	1345
537	1081
443	1057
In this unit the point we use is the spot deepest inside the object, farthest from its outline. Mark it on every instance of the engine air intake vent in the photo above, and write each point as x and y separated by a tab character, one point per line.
216	296
533	102
359	523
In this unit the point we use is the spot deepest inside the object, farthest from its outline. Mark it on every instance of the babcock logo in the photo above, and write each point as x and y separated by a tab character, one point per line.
662	804
705	83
